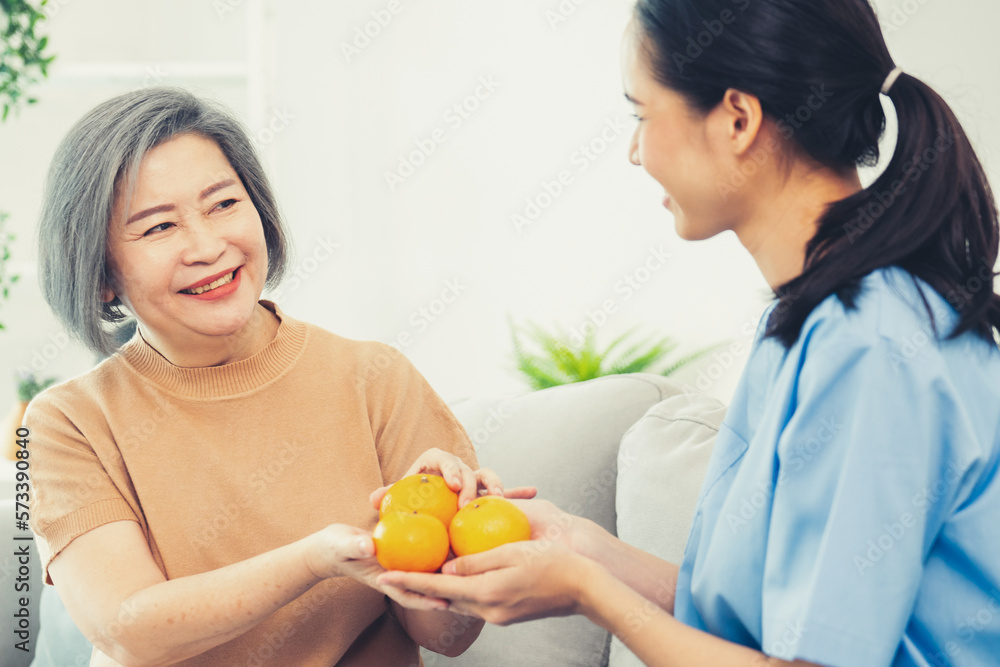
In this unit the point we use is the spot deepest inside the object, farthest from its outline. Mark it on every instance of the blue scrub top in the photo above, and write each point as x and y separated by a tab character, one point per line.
850	514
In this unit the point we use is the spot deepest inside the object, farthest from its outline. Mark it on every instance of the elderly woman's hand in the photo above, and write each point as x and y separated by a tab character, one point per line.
342	550
459	477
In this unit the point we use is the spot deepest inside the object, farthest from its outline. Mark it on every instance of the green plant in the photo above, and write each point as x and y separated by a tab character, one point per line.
5	280
23	56
22	59
561	359
29	386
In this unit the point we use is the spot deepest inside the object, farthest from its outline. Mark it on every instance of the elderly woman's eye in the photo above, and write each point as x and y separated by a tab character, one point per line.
163	226
228	203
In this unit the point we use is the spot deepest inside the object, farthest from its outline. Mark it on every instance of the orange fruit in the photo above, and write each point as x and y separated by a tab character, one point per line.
487	522
423	493
413	542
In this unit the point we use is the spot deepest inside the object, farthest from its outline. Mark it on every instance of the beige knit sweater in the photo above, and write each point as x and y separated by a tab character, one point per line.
220	464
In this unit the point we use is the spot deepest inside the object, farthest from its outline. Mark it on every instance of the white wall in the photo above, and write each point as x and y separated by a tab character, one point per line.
341	123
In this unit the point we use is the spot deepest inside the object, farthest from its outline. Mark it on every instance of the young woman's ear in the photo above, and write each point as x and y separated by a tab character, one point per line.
743	117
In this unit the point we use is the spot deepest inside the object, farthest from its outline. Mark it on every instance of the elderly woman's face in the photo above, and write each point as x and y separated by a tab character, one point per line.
187	254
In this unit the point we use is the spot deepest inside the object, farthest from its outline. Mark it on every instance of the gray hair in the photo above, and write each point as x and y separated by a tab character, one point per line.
100	156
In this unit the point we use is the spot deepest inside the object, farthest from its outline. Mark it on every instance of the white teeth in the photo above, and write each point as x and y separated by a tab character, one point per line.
218	283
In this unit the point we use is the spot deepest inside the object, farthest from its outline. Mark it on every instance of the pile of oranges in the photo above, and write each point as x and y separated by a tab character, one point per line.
419	521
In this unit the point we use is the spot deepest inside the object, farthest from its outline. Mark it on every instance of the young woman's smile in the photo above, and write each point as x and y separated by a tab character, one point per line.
188	256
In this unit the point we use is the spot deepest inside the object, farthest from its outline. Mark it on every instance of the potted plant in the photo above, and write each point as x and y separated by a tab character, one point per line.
561	359
27	388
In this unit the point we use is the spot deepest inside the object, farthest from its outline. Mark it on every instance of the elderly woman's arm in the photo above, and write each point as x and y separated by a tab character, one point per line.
122	603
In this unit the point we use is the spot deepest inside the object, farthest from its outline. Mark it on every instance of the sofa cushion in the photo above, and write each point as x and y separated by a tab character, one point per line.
564	440
662	462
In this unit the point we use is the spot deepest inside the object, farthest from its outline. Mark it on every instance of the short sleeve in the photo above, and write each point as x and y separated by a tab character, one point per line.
409	417
868	469
72	491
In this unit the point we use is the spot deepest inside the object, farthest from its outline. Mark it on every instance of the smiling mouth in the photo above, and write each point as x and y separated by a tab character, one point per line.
224	280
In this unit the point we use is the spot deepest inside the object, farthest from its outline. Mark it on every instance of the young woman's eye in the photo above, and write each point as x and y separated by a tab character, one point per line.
228	203
162	227
637	117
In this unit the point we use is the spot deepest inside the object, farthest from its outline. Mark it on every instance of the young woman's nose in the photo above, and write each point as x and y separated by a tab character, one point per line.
204	244
633	149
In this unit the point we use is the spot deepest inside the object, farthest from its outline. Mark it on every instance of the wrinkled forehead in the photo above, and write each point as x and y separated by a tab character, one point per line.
181	166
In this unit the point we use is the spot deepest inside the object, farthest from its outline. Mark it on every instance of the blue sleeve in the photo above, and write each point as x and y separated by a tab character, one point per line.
866	476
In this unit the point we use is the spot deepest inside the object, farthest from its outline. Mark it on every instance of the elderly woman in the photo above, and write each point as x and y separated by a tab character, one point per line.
202	495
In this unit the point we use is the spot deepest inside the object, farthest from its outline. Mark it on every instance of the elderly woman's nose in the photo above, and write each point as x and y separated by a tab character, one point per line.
204	244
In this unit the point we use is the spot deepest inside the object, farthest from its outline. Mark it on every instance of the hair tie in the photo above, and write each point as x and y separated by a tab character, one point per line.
891	79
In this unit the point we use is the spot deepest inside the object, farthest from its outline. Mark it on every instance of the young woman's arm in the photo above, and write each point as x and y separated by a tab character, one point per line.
657	638
653	578
122	603
528	580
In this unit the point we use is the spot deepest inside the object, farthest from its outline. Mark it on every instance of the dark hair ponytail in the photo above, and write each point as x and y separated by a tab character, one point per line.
817	67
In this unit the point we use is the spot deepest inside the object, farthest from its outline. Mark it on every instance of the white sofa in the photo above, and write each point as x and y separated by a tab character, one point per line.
627	451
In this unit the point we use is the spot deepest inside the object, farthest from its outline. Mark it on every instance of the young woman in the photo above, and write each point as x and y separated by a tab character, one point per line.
202	496
878	547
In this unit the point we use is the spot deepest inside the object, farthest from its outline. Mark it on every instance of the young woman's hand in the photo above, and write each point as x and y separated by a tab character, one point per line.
459	477
341	550
548	522
512	583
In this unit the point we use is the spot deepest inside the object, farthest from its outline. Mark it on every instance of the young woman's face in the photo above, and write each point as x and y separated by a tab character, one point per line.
190	226
675	145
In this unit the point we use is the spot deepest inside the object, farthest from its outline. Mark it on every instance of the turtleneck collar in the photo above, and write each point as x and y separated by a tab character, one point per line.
224	381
